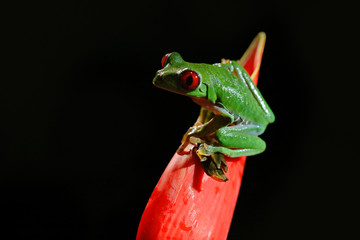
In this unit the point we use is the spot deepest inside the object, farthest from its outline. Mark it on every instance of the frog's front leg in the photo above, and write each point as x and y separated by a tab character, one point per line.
206	129
204	116
207	124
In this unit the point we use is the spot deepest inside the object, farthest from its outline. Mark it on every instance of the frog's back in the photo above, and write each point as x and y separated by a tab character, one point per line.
235	95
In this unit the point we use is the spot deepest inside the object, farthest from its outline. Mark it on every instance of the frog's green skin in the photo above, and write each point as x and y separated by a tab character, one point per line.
233	111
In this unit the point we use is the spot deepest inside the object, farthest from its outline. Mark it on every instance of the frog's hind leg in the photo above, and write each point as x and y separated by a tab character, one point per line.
238	140
233	141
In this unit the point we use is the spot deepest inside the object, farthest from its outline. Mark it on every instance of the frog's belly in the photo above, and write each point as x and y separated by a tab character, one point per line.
248	127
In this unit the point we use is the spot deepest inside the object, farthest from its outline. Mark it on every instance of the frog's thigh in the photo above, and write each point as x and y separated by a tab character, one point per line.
235	142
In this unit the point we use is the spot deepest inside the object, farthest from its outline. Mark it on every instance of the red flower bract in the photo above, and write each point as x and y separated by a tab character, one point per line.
188	204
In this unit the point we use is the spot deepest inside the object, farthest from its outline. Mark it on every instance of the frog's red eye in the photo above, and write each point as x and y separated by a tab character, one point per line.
164	58
190	80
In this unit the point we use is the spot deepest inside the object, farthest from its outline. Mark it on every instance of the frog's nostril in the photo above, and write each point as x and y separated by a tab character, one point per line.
159	73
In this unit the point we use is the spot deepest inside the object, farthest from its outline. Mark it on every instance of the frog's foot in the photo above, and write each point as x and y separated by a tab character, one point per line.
214	164
187	145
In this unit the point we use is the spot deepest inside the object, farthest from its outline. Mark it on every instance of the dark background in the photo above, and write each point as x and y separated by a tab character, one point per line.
86	136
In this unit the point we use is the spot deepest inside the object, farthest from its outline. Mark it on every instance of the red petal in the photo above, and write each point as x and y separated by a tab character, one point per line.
187	204
251	60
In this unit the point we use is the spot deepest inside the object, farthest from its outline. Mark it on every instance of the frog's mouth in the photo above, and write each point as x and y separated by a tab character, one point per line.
160	82
157	80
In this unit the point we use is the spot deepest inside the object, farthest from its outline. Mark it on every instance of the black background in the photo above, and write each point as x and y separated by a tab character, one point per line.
86	136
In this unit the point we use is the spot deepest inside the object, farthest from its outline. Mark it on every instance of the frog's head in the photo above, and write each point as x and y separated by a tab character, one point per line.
181	77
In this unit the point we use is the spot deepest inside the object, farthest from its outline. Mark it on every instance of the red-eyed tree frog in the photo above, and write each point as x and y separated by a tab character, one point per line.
233	112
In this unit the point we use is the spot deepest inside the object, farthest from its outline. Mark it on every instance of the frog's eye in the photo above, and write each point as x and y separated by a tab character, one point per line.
164	59
190	80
